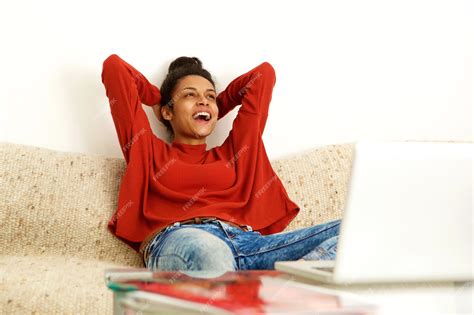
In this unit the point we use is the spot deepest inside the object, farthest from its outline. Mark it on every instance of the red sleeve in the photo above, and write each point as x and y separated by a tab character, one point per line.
253	90
126	89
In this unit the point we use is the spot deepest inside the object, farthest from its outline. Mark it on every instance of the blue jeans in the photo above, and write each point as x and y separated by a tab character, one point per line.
220	247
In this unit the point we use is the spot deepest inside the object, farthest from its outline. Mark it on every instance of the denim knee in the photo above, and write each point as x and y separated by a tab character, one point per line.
327	250
193	249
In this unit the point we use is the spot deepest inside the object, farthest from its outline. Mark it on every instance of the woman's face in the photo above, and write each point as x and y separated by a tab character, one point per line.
192	94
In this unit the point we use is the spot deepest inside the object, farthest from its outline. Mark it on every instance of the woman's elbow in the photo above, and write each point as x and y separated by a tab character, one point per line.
267	70
111	61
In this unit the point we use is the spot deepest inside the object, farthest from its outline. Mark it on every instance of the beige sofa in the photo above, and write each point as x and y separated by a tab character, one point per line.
54	209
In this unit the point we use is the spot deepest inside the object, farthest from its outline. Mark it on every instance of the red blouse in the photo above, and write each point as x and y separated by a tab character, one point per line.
164	183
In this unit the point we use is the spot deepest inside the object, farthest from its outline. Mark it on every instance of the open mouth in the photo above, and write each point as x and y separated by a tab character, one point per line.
202	117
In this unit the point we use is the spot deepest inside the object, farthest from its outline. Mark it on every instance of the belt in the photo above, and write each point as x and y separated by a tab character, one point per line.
196	220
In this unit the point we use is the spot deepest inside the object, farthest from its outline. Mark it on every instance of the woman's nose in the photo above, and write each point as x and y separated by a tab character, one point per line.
202	100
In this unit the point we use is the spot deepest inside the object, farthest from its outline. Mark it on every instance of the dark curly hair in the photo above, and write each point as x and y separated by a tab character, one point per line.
179	68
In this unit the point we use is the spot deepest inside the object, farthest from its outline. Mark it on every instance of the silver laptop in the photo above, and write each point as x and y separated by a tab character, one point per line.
408	216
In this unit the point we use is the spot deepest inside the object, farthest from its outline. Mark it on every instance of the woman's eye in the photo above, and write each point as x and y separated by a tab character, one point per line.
190	94
212	96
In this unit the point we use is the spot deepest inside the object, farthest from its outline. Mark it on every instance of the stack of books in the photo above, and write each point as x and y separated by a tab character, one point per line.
141	291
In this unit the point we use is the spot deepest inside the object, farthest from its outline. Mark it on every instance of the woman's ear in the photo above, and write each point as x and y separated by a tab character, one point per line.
166	113
157	111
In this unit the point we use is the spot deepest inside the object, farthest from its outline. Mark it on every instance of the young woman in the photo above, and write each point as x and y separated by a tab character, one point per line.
184	207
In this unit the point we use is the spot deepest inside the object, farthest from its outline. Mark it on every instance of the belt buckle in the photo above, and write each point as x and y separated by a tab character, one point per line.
201	220
245	227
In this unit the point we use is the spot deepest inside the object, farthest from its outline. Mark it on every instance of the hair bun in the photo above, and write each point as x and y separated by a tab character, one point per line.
184	61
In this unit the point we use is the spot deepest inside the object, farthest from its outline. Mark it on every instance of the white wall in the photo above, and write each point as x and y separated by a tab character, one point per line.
346	70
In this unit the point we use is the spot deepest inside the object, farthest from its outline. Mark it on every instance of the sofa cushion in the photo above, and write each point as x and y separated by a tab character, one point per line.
54	285
317	180
59	203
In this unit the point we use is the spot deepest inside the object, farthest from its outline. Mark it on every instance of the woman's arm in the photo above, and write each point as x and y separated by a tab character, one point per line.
253	90
117	76
127	89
